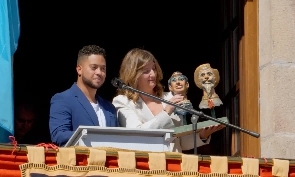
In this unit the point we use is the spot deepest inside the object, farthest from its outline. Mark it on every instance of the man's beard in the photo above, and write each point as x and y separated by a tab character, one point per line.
208	88
89	83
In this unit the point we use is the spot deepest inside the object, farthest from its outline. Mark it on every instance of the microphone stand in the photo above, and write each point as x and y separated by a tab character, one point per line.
121	85
194	121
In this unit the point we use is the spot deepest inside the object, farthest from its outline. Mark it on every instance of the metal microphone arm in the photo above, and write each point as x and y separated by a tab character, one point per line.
121	85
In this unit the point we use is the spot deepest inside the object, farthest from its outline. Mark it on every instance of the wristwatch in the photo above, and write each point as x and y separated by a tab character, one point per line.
204	140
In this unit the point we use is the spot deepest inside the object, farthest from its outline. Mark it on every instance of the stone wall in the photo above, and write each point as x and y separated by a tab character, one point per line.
277	78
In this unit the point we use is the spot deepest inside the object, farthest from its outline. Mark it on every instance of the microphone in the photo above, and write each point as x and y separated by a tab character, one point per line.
118	83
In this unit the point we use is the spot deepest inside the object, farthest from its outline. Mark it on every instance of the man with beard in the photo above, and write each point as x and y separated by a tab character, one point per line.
207	78
80	104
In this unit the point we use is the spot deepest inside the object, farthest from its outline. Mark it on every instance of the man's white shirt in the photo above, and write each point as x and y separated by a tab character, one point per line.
99	113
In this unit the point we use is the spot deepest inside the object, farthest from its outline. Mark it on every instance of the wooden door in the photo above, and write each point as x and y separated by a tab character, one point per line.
240	76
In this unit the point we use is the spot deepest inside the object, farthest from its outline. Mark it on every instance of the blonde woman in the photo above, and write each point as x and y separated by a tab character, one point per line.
141	70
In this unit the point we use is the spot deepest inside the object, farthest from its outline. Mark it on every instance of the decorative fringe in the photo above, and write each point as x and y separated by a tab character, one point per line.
92	168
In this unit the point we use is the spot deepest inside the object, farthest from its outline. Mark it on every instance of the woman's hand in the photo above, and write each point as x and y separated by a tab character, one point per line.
176	99
207	131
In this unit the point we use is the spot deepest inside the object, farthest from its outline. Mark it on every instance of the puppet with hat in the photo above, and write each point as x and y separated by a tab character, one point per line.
207	78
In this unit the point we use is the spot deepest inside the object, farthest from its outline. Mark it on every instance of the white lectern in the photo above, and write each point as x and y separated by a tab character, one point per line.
157	140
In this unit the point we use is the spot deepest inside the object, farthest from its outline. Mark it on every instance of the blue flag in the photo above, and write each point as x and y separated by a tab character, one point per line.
9	35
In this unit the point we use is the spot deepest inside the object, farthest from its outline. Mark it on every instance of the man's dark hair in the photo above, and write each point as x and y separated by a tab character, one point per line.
90	50
26	106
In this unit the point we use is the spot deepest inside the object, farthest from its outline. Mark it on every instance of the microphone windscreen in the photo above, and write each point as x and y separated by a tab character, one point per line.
114	82
118	83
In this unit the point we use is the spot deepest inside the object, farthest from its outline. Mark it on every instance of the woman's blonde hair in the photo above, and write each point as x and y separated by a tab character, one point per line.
131	69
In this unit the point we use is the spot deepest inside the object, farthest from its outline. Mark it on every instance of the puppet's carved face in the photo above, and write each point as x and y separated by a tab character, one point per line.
178	84
207	79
